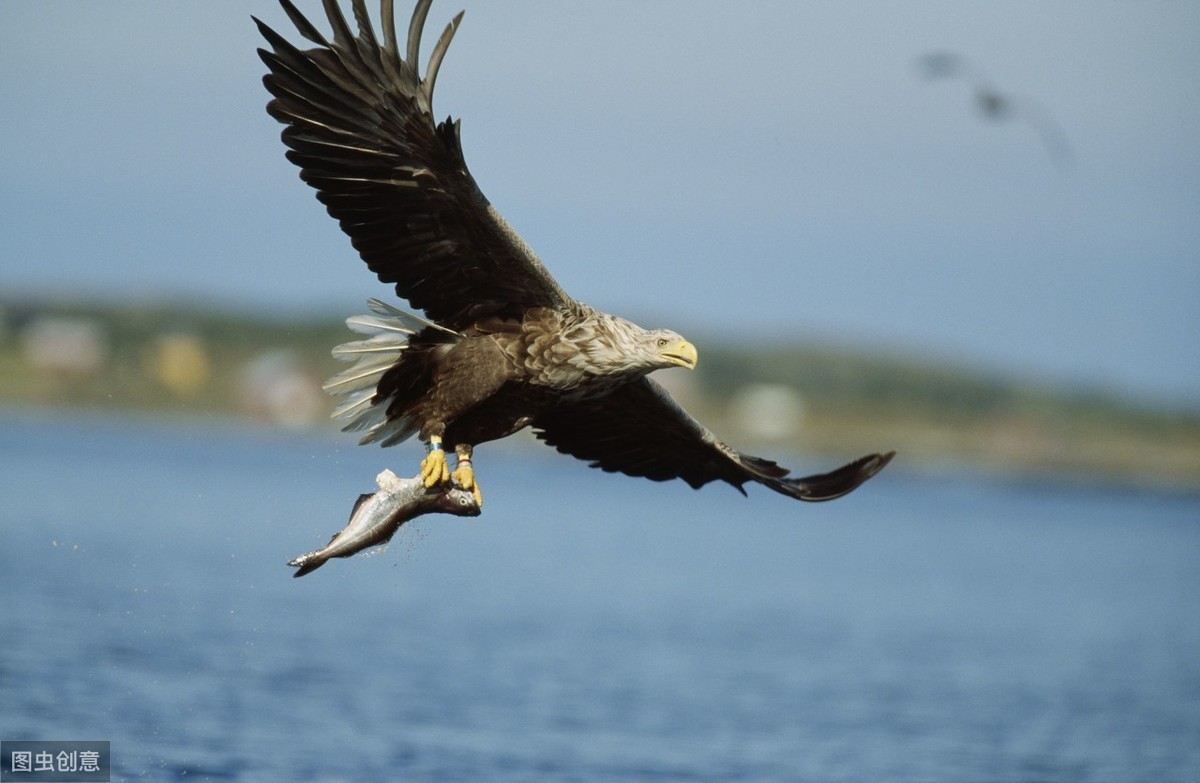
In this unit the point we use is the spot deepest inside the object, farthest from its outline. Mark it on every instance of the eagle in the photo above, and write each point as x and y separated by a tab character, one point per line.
501	346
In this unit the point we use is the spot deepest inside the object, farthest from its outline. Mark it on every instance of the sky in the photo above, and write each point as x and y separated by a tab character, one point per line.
771	171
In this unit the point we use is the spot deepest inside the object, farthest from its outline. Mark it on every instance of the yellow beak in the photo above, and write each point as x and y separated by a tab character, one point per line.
681	353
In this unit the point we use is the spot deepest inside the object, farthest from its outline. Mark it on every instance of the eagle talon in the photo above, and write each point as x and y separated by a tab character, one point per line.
464	477
434	470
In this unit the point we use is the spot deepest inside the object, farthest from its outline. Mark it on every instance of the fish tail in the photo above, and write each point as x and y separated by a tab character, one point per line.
307	563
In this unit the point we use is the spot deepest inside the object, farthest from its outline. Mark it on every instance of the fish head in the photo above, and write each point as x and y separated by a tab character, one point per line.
458	502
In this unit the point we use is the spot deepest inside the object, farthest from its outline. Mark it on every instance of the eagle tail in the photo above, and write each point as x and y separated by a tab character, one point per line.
386	349
828	486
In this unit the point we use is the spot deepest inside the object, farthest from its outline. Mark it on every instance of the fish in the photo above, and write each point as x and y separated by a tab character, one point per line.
376	517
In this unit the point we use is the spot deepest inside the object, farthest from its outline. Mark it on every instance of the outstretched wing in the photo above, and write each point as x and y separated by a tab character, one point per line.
360	127
639	430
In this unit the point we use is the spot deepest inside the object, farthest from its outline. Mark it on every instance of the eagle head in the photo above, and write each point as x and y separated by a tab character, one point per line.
671	350
622	347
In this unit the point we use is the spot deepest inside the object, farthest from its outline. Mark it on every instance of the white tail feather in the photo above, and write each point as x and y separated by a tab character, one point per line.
387	333
375	345
393	432
413	322
356	404
369	324
357	377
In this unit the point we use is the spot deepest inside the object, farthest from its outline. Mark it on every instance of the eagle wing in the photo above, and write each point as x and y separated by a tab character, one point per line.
640	431
360	127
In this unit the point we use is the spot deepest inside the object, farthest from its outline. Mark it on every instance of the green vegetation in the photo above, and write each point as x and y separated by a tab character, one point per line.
169	360
943	413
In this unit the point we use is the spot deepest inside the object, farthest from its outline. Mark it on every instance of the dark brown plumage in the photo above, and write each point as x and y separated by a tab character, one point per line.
502	346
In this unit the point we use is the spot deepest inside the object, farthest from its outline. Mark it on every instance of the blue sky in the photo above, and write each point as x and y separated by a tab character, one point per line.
775	170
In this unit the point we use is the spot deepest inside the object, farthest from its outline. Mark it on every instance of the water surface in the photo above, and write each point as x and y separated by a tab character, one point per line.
587	627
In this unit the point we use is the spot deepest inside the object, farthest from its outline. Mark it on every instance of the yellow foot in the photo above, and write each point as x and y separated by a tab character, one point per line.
434	470
464	476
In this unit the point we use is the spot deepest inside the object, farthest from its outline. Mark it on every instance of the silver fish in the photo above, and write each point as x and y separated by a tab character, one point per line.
376	518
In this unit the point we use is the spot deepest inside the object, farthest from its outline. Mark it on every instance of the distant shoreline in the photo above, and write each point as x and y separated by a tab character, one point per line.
800	398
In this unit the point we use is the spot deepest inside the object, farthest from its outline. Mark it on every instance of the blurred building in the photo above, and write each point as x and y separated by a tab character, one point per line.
274	386
179	362
68	347
767	411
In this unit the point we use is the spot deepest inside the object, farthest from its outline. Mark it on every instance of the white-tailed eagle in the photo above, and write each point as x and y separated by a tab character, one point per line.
501	346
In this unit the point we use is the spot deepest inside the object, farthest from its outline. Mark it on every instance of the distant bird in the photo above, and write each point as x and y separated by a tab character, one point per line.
501	346
998	106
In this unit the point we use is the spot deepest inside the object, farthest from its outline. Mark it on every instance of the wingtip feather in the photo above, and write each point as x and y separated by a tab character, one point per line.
836	483
303	26
435	59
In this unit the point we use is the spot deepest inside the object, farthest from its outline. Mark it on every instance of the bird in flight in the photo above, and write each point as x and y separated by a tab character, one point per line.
999	106
501	346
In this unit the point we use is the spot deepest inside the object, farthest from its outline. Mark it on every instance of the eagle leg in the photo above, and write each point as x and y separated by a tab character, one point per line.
433	467
464	474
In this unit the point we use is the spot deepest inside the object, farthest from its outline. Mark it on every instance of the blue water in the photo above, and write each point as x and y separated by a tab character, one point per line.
587	627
